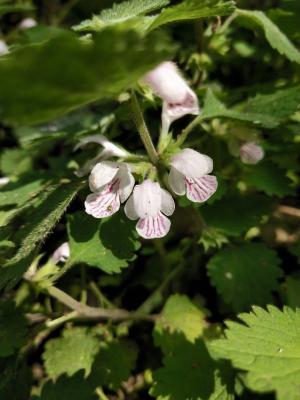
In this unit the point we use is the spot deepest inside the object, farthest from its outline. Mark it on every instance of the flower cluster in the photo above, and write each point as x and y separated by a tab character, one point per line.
113	183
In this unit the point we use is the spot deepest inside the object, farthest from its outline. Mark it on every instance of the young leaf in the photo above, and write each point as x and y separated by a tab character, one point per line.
96	70
193	9
95	242
191	373
74	351
245	275
179	315
277	39
119	13
13	328
266	346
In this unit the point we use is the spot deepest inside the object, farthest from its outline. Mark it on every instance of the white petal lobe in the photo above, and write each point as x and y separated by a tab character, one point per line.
167	203
147	199
176	182
130	210
101	174
192	164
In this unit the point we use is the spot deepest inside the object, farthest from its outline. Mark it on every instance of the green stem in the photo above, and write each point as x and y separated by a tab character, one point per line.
142	129
101	394
184	134
64	12
103	301
84	310
61	320
156	297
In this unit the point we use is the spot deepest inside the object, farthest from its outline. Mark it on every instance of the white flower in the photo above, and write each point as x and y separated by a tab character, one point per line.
178	98
5	180
150	204
3	48
109	150
62	253
27	23
189	175
251	153
112	184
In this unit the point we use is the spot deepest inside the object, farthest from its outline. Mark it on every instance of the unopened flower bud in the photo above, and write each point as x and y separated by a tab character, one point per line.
178	98
251	153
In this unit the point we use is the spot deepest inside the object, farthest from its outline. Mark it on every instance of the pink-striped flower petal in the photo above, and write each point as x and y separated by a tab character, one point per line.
153	227
201	189
105	203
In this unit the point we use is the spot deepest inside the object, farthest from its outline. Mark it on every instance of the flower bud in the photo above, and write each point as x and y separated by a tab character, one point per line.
178	99
251	153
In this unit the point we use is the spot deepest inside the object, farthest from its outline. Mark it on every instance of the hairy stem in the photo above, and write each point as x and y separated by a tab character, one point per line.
84	310
142	129
184	134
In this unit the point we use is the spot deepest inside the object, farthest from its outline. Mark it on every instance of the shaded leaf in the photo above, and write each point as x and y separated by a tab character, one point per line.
250	208
269	178
245	275
13	328
94	242
75	388
114	363
44	93
40	222
191	373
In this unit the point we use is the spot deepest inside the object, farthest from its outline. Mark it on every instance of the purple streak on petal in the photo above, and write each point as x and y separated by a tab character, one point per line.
105	203
201	189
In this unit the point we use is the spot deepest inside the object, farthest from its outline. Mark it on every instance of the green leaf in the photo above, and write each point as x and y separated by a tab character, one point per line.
13	328
291	291
245	275
94	242
277	39
269	178
16	379
267	110
250	208
15	162
96	70
75	388
267	347
21	191
120	13
40	221
74	351
279	105
179	315
9	6
114	363
191	373
193	9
